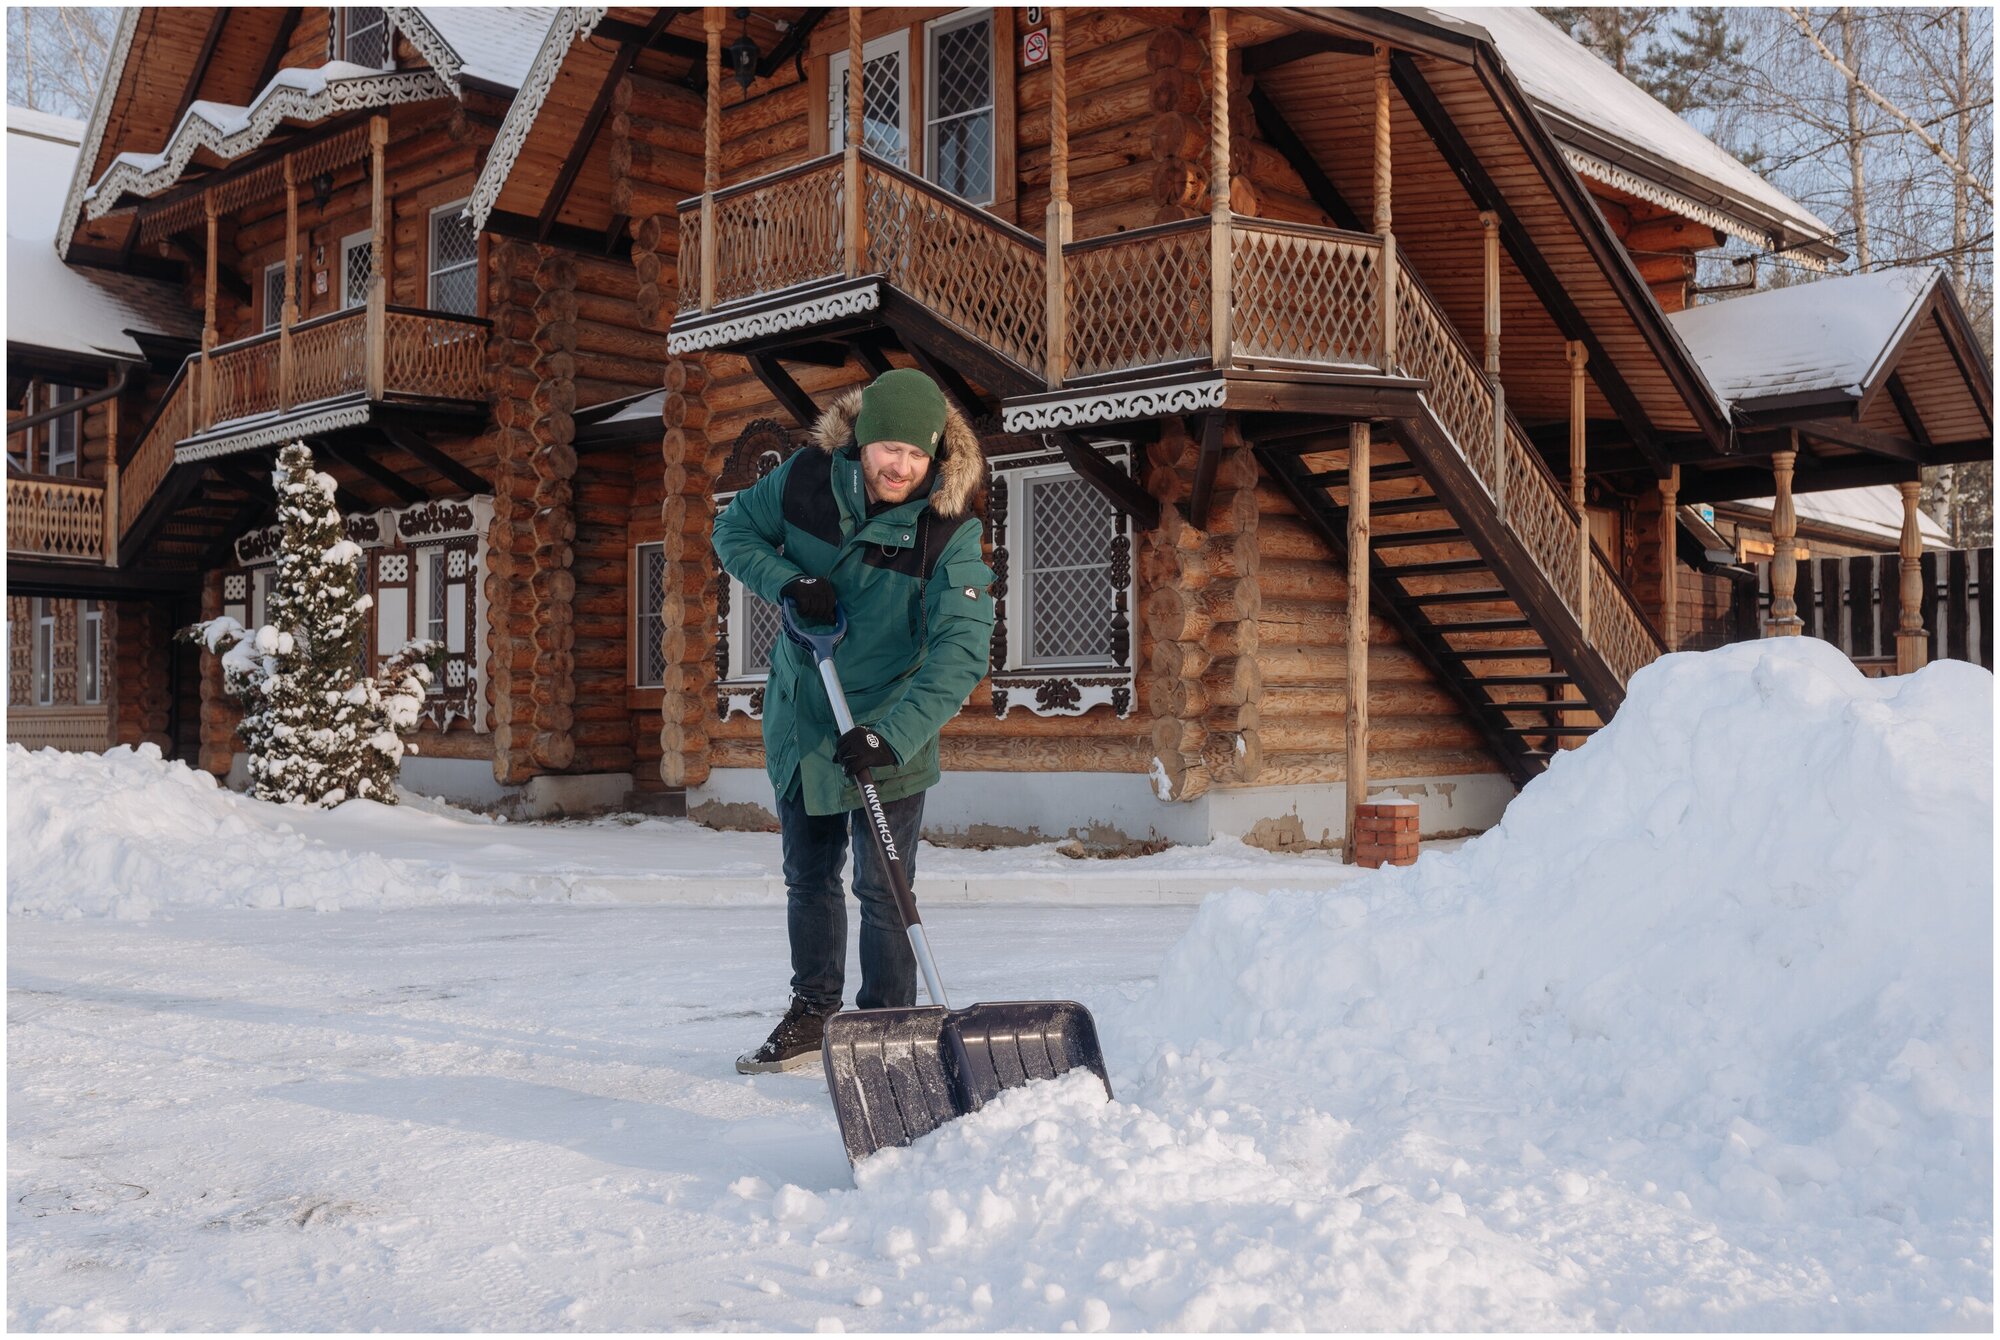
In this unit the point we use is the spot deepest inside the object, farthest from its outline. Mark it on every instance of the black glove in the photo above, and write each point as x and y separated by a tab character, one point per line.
863	748
814	597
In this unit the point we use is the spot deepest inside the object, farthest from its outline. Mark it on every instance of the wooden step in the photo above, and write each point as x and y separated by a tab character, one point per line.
1549	730
1441	566
1337	479
1538	707
1457	598
1528	681
1483	626
1496	654
1402	506
1411	538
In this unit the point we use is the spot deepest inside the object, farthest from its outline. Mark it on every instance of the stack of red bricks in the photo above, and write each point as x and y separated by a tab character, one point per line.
1385	833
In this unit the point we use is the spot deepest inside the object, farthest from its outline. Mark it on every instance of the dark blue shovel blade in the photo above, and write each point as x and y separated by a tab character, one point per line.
896	1075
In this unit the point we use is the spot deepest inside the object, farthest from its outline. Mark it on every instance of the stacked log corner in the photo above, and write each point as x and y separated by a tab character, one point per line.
689	606
529	585
1205	683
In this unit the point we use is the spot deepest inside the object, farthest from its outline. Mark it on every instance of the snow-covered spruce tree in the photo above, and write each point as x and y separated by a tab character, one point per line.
318	731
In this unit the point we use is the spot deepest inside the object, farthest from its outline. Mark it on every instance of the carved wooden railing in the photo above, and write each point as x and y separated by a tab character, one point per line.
975	270
1138	298
71	728
435	355
1523	494
1303	293
55	518
773	233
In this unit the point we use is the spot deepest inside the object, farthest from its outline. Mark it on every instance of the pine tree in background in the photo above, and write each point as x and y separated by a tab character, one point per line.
318	732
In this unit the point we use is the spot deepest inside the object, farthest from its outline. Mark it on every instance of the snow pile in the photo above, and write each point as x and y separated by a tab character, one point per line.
1700	1036
127	832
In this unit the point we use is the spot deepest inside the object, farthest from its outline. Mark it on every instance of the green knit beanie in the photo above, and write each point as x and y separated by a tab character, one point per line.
902	405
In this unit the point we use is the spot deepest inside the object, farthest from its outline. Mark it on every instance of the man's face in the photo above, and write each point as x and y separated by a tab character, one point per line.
893	470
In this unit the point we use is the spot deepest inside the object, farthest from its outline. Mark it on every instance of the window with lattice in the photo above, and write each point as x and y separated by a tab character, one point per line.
885	98
1066	590
454	270
959	106
649	586
45	651
364	37
357	263
274	295
90	654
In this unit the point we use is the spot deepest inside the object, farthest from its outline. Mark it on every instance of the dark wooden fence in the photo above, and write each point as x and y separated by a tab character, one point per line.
1856	603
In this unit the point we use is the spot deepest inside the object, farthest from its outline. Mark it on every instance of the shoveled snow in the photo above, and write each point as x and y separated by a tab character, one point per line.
1830	335
1699	1038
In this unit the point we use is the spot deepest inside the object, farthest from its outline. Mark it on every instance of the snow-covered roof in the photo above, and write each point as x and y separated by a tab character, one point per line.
1876	510
571	24
493	44
51	305
1830	335
1615	132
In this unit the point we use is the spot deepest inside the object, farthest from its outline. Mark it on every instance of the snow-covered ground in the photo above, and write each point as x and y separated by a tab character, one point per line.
1700	1037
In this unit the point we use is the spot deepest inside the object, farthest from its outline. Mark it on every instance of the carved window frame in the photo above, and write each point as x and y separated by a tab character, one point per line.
1074	688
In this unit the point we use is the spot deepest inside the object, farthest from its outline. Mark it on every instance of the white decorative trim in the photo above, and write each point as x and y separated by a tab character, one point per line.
429	42
288	430
848	302
277	102
748	701
93	139
572	24
1048	693
1115	406
1610	174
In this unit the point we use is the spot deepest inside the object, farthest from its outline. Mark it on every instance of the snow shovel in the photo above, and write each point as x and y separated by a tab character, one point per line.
898	1074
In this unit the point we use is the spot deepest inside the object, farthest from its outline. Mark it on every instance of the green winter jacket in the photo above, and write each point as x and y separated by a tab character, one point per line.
913	584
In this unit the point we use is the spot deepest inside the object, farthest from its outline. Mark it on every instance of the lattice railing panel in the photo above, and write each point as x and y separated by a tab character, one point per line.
243	380
155	454
1138	301
1303	294
960	262
330	358
431	354
1541	518
687	263
55	519
767	238
1618	630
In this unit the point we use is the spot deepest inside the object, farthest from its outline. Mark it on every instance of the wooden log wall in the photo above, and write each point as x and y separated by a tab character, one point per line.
692	461
142	700
219	716
530	585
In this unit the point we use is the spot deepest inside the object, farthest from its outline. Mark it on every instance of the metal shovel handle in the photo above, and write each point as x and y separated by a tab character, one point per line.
820	646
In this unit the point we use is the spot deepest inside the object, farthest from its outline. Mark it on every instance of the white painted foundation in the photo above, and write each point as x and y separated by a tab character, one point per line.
469	782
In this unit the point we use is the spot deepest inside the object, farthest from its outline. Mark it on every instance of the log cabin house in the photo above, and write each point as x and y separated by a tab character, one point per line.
1337	370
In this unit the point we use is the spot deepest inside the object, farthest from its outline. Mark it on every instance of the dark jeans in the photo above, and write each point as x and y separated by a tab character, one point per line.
815	849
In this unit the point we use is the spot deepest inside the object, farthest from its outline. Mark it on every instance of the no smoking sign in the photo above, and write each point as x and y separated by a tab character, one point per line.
1035	47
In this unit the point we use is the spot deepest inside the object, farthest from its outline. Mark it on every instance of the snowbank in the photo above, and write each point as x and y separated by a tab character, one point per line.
127	833
1700	1036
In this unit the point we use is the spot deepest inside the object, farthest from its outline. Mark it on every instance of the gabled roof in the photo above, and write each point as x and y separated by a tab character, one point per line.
494	45
1614	132
1835	335
58	307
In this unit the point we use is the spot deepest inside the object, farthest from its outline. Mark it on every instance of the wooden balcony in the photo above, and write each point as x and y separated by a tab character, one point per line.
50	517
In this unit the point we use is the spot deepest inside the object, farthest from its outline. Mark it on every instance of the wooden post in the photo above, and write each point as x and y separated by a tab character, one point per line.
111	482
378	271
856	89
1219	268
1785	621
1578	355
288	313
1670	614
208	318
1489	225
1358	448
1383	222
711	156
1061	218
1912	651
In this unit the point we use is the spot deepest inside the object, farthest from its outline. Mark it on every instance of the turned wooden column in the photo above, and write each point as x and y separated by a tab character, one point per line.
1489	225
1218	187
1358	449
711	156
208	319
378	273
1383	223
1670	614
1912	651
1784	621
110	484
1061	220
856	89
1577	355
288	310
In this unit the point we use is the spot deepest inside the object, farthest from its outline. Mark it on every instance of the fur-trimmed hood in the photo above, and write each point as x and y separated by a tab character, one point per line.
960	464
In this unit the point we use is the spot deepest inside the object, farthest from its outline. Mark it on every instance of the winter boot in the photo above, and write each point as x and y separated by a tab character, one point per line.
793	1044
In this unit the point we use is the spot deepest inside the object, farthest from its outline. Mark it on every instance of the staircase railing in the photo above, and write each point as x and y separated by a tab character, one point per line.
1524	495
